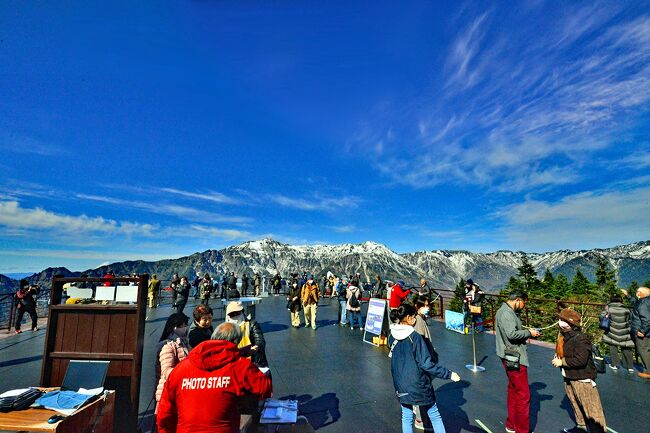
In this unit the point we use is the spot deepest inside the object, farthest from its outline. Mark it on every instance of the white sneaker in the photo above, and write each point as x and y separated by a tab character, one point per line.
361	328
613	367
630	370
508	430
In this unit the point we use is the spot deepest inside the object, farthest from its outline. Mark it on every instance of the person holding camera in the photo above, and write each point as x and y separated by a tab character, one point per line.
511	341
25	303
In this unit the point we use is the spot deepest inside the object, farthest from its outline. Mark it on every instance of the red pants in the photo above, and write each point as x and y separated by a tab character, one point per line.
518	400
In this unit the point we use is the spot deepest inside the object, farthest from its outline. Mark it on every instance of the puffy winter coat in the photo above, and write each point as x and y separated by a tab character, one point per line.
257	339
201	393
641	316
412	367
170	353
619	328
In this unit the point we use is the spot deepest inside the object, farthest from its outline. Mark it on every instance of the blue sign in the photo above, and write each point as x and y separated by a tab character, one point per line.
375	316
455	321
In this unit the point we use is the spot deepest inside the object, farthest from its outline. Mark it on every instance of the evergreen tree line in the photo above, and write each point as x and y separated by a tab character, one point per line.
556	288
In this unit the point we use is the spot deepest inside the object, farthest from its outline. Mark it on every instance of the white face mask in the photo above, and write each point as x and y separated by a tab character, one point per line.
424	311
563	325
238	319
180	332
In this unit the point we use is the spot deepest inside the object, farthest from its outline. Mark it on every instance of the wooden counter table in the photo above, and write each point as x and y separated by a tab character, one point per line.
98	413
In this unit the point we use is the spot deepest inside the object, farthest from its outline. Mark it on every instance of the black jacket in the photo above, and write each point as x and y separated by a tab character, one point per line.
578	364
198	335
619	333
291	304
641	316
183	290
232	282
257	339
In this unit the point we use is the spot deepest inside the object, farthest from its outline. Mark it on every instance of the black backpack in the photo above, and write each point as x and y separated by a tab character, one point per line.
354	302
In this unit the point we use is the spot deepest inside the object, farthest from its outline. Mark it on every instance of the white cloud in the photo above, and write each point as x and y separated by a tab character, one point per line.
315	204
211	196
21	144
13	216
184	212
585	220
520	110
344	228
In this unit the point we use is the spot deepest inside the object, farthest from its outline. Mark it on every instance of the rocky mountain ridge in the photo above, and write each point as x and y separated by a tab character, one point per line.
443	268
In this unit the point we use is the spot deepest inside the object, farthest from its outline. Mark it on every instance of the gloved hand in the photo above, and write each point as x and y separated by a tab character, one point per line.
454	377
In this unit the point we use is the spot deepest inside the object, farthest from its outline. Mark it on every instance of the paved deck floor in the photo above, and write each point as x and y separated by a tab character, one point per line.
344	385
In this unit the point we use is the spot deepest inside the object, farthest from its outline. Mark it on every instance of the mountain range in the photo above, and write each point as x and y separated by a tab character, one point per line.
442	268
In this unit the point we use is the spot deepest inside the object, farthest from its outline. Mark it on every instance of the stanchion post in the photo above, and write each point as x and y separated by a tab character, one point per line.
473	367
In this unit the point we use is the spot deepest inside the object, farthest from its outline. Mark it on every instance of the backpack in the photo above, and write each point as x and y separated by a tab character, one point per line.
354	301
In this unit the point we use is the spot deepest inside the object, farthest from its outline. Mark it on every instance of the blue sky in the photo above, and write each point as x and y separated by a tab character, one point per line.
146	130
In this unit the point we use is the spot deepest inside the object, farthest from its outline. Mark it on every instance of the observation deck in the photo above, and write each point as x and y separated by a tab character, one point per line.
345	385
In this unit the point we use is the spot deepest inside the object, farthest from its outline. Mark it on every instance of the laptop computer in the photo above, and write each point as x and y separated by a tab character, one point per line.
85	374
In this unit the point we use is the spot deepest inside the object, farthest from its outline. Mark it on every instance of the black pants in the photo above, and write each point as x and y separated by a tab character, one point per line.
180	304
26	308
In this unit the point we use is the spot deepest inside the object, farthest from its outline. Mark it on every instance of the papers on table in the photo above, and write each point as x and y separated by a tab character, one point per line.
14	392
279	411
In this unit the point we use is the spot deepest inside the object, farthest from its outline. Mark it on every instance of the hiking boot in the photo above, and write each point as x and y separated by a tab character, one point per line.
644	375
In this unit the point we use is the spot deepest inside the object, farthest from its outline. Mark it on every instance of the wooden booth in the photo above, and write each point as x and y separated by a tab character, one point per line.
101	319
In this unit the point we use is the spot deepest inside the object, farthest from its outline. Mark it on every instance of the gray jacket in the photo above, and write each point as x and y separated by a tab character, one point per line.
509	332
619	333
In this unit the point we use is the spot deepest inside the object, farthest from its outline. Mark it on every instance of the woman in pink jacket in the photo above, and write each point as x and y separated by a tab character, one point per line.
172	349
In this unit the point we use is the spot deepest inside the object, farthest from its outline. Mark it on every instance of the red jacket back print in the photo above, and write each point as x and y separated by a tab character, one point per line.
201	392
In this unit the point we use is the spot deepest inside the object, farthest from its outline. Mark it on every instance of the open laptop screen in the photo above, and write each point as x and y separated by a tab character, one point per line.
85	374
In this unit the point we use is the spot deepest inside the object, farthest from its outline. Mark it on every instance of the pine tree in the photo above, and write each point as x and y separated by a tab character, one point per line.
580	284
561	287
456	303
527	273
548	281
605	278
632	287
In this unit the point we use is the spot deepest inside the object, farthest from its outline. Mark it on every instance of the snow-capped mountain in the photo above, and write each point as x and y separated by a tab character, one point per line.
443	268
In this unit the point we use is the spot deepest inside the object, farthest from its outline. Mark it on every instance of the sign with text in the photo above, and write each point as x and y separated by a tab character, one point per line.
375	318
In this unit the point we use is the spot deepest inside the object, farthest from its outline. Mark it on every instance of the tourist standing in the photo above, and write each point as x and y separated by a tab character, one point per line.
277	284
412	369
252	344
244	284
353	305
26	303
398	295
573	356
182	291
172	349
201	328
257	283
343	302
309	296
640	324
206	289
154	291
619	334
511	338
294	305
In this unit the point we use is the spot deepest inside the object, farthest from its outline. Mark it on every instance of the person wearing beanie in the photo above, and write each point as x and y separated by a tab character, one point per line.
573	357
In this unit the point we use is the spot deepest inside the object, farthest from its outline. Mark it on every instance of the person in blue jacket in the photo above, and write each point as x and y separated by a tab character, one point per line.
413	370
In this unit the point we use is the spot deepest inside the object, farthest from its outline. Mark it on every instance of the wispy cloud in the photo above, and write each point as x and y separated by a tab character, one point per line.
344	228
211	196
521	109
22	144
316	203
585	220
184	212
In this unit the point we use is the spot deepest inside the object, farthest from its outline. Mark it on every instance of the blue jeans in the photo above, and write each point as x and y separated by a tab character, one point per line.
344	317
355	316
434	419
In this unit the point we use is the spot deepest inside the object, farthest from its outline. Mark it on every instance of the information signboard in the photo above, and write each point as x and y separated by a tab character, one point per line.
455	321
376	319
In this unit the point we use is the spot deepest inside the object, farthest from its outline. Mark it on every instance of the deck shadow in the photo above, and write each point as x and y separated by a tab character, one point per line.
450	399
320	411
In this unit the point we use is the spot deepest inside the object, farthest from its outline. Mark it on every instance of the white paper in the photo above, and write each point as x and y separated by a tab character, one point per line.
104	293
126	294
279	412
264	369
13	392
94	391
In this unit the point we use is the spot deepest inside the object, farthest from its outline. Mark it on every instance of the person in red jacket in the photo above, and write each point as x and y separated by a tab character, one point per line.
398	295
202	391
